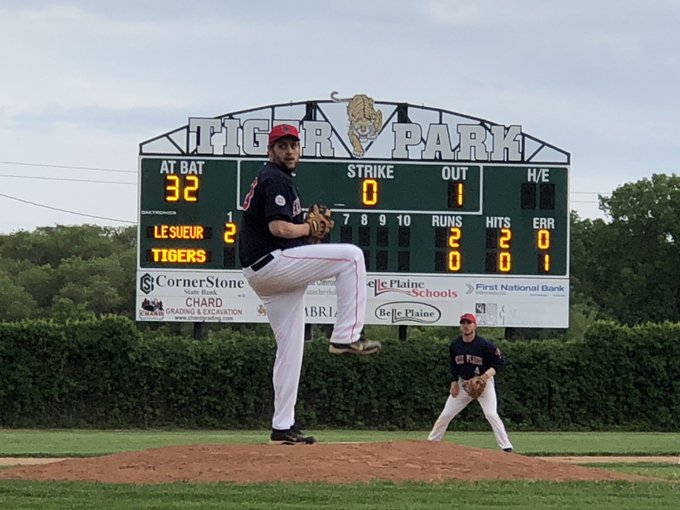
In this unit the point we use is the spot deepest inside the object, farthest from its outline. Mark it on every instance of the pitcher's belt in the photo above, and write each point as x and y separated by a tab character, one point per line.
261	262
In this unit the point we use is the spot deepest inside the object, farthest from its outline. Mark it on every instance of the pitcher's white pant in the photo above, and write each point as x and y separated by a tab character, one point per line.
489	405
281	286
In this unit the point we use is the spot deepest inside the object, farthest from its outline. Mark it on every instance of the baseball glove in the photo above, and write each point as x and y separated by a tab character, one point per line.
320	223
474	386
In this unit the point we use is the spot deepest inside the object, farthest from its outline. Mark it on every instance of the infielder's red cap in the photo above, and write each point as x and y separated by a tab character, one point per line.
468	317
283	130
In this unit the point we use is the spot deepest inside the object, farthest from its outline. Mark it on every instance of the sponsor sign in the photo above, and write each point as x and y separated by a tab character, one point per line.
199	296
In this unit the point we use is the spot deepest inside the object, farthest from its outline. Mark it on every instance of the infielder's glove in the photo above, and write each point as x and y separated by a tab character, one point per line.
320	223
474	386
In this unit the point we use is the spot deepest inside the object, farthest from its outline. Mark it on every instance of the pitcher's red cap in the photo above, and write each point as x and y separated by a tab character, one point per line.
283	130
468	317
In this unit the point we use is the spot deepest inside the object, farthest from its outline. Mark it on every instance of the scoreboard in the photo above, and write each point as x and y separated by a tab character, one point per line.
440	238
407	217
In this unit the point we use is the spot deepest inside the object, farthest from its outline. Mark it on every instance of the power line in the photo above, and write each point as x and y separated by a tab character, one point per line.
66	179
45	165
69	167
588	193
64	210
134	183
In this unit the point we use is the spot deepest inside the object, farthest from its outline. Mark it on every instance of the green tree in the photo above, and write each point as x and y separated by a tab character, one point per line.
15	302
70	272
628	266
96	283
39	281
64	309
51	245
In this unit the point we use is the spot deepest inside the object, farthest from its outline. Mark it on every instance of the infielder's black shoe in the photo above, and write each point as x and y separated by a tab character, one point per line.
507	450
361	346
292	436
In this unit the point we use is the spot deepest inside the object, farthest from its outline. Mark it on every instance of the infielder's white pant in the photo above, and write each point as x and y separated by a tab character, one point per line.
281	286
489	405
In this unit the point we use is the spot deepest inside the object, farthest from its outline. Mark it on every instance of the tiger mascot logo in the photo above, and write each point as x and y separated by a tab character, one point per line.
364	120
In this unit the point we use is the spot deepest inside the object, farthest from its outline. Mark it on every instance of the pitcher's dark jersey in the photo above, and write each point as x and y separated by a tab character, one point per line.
272	196
468	359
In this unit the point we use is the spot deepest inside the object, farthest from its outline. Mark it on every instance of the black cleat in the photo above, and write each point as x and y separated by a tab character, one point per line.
292	436
361	346
507	450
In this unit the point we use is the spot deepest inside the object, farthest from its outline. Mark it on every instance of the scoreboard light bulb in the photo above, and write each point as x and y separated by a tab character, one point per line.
229	233
455	261
180	255
179	232
455	234
172	192
543	239
369	192
177	189
504	239
546	263
191	184
504	262
456	194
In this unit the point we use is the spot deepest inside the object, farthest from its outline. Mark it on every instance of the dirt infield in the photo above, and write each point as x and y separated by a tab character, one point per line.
612	459
334	463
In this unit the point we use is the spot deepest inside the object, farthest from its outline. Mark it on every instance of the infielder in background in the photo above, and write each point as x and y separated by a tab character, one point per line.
473	362
279	263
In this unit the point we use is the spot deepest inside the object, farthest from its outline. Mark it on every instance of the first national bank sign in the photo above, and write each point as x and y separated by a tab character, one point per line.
470	142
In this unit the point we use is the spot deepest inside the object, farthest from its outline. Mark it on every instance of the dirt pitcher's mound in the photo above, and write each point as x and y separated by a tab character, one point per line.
333	463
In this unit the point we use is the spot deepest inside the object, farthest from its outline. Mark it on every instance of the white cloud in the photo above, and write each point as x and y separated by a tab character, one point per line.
64	55
489	13
85	81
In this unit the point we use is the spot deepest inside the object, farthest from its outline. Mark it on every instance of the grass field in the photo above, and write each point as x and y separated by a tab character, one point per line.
375	495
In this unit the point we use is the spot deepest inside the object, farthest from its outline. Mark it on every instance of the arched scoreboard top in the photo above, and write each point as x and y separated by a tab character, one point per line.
359	127
454	213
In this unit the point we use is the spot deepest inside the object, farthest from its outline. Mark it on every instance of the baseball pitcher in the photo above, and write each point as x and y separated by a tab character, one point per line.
281	252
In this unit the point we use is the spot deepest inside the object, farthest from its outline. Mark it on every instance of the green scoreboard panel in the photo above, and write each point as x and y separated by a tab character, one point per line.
407	217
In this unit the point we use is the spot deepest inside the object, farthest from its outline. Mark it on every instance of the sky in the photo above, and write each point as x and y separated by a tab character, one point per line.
84	82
